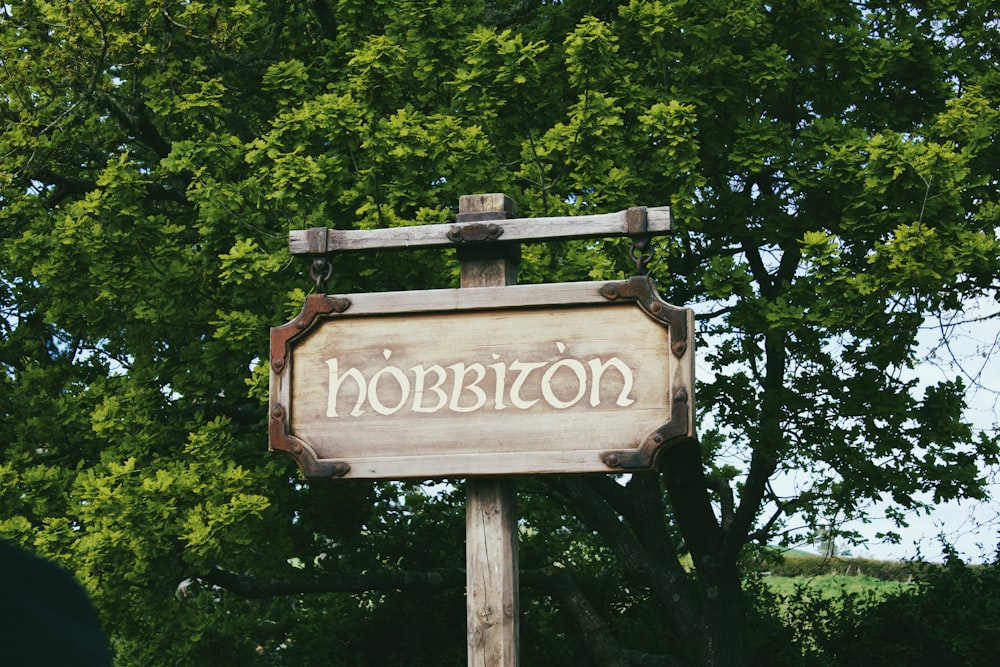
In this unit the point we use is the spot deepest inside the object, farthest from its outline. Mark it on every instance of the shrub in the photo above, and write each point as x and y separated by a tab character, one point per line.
949	619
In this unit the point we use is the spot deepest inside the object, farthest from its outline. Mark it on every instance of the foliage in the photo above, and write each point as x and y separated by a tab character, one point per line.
950	620
946	618
832	168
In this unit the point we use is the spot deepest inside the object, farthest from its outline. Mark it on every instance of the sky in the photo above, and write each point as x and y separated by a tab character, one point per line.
973	353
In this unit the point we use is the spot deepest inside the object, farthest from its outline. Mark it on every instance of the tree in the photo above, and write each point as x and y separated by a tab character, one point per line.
833	172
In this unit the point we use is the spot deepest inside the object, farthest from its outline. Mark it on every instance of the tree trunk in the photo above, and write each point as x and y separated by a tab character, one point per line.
723	619
721	625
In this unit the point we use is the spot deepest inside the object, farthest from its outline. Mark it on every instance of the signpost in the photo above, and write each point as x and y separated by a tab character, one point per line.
486	381
492	591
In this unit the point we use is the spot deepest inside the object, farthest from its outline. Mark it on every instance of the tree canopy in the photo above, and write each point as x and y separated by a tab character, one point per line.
833	170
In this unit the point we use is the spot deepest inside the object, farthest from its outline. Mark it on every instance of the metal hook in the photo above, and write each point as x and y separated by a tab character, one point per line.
320	271
641	244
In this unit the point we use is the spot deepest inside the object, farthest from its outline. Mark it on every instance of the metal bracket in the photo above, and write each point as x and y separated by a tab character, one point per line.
316	241
642	290
637	221
641	252
316	305
281	441
474	232
321	269
673	432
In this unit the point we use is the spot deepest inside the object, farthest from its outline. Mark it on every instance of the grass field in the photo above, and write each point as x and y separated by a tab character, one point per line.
834	585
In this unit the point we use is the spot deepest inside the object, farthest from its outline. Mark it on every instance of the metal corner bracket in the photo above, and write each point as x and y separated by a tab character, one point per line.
317	306
642	290
672	433
279	440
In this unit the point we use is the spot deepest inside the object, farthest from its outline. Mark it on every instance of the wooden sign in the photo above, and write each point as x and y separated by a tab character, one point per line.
556	378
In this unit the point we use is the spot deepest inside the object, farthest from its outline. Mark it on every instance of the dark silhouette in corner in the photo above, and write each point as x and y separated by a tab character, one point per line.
46	618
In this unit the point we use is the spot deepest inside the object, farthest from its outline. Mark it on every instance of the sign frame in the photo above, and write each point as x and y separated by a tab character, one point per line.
640	454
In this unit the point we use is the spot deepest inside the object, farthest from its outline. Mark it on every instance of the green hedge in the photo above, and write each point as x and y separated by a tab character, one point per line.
949	617
795	565
952	620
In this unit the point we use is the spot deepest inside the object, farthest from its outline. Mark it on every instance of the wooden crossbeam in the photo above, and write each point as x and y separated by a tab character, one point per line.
484	228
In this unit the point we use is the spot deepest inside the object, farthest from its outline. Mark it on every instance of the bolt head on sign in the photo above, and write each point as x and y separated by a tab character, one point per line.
530	379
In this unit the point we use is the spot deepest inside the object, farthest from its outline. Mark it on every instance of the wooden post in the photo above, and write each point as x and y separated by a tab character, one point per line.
491	563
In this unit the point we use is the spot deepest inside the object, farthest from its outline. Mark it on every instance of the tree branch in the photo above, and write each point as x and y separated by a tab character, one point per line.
257	588
770	441
759	271
665	578
722	488
640	504
684	477
593	628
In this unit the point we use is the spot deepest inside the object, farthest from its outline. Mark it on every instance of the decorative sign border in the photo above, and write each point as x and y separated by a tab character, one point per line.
336	451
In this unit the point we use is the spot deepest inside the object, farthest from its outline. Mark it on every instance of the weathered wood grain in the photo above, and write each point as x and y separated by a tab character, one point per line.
491	562
659	221
589	378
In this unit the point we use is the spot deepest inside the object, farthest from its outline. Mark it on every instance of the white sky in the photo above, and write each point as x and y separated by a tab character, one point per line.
972	527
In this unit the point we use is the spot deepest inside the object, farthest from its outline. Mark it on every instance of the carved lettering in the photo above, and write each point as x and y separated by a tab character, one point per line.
469	387
461	387
523	370
597	369
336	380
581	377
500	372
399	377
420	373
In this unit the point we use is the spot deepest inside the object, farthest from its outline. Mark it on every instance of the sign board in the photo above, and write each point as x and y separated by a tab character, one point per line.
556	378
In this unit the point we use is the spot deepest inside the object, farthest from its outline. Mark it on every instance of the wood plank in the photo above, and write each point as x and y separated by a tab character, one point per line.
491	549
589	377
503	463
659	221
492	573
472	298
487	204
